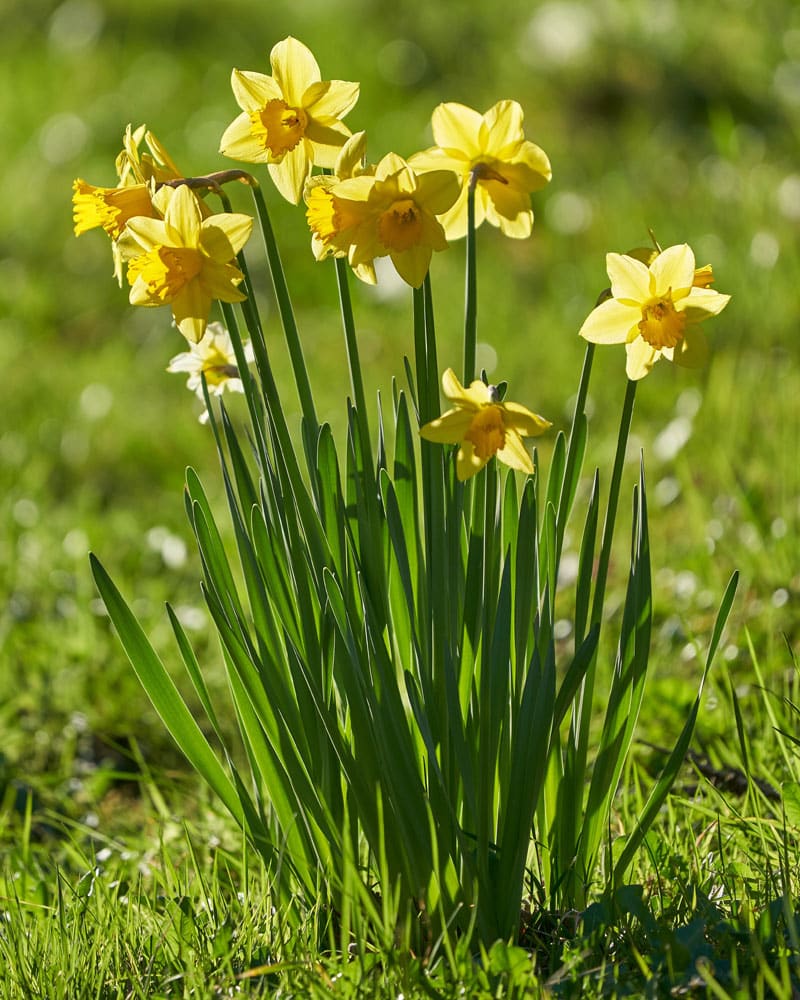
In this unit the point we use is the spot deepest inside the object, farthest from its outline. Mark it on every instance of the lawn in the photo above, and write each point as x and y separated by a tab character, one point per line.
120	873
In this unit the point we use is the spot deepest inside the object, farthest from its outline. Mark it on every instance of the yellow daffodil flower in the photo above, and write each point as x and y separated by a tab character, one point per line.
654	309
330	218
483	426
110	208
391	213
214	357
289	120
184	260
493	149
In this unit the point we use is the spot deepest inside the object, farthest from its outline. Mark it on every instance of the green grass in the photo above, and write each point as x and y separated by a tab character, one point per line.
684	120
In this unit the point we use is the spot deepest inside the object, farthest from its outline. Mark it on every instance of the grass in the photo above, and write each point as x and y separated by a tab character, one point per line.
118	876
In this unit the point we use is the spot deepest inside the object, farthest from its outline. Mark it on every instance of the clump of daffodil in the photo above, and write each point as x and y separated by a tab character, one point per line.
490	151
331	218
110	208
389	213
483	425
290	120
213	357
654	309
184	260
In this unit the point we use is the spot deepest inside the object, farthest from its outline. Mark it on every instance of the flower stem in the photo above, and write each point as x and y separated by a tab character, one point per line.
353	360
471	294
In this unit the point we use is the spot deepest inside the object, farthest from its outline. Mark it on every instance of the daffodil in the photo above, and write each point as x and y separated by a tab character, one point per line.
290	120
654	309
391	213
214	357
330	218
491	151
110	208
185	260
484	426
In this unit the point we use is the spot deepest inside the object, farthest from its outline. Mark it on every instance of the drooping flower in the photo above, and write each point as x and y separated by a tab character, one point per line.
483	425
654	309
290	120
110	208
185	260
331	218
493	149
391	213
214	357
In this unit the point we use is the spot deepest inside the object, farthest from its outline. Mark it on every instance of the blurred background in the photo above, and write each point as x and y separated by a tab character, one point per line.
671	115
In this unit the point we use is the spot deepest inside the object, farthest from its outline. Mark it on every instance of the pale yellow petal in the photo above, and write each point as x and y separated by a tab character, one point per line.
673	269
501	126
701	303
515	454
290	174
630	279
239	143
223	236
437	158
640	360
183	217
220	281
253	91
509	209
412	265
473	397
190	309
142	233
610	323
456	127
530	170
330	98
437	190
324	142
294	69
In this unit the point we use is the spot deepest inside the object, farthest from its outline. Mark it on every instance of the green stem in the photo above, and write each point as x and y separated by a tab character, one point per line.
353	360
471	293
285	309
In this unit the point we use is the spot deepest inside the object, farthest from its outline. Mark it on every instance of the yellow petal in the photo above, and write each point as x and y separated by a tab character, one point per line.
471	398
223	236
530	169
640	360
142	233
324	141
501	126
515	454
437	190
254	90
456	127
630	279
701	303
437	158
467	462
290	174
190	309
450	428
183	217
509	209
294	69
219	281
673	269
454	221
413	264
520	419
330	98
610	323
239	143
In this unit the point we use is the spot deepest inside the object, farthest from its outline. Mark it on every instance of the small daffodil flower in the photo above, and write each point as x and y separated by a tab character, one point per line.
483	426
391	213
290	120
491	151
214	357
654	309
185	260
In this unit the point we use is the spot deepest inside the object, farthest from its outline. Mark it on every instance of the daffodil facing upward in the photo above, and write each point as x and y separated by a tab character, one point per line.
654	309
185	260
492	152
290	120
484	426
391	213
213	357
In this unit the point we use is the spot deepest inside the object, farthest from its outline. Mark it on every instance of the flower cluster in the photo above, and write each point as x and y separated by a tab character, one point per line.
179	253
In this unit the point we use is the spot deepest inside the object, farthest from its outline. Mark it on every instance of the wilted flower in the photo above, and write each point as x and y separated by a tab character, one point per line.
289	120
654	309
214	357
483	426
184	260
505	165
